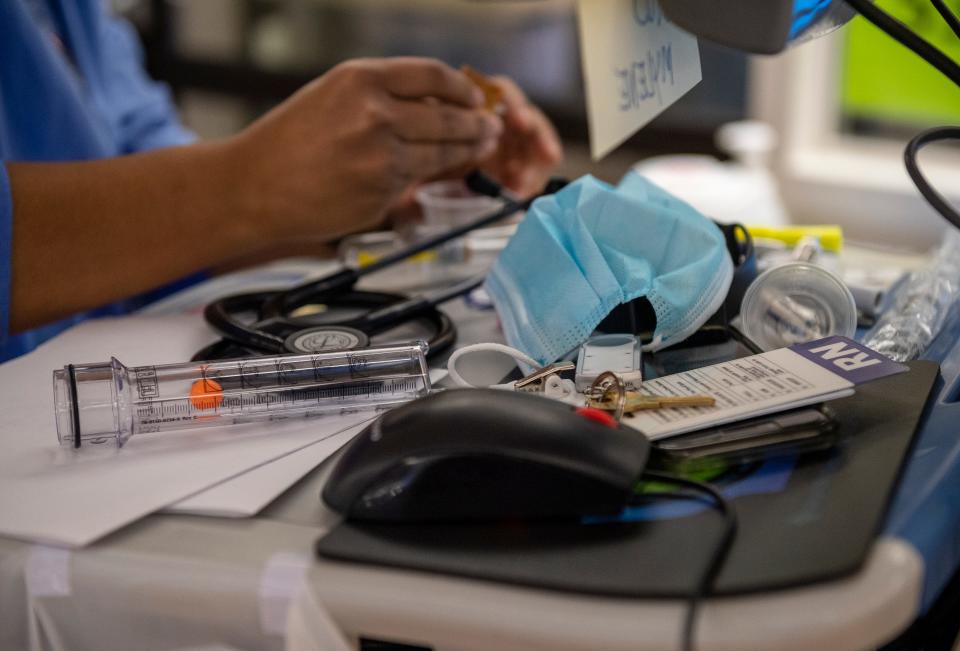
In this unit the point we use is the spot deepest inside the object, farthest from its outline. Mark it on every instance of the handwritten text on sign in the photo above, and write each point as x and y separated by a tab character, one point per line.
635	64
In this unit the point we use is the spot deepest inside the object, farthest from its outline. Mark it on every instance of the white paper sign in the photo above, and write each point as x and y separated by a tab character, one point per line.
635	64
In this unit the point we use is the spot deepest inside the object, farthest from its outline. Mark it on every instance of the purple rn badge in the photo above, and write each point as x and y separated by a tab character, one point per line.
848	359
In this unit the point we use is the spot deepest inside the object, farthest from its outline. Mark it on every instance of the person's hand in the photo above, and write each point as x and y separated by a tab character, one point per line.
527	153
337	154
528	149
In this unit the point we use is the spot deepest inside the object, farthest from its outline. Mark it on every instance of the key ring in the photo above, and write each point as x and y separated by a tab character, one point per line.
606	383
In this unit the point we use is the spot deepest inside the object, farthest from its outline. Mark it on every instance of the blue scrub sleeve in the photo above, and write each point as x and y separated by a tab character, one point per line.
6	252
142	111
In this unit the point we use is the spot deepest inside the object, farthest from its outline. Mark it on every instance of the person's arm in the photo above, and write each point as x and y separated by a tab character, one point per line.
89	233
329	161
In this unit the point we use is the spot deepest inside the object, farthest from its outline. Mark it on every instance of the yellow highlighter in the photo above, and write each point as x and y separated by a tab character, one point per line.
830	236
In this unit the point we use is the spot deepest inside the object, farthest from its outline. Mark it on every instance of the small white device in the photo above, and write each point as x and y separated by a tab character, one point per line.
619	354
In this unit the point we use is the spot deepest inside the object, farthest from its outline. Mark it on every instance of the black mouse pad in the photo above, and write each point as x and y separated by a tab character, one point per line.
801	520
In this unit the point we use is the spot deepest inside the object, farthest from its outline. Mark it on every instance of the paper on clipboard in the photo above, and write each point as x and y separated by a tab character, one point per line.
635	63
762	384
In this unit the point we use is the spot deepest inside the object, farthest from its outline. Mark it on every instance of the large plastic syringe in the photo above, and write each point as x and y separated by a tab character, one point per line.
100	403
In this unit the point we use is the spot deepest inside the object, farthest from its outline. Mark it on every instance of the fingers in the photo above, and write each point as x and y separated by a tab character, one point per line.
545	138
529	122
421	160
416	78
517	114
440	122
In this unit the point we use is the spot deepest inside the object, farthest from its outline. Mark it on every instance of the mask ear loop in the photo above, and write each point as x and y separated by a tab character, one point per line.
654	344
606	383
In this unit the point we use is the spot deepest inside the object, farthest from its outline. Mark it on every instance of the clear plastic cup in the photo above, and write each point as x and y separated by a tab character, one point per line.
357	251
363	249
796	303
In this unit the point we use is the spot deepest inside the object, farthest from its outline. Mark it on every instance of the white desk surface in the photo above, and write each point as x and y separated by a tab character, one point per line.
179	582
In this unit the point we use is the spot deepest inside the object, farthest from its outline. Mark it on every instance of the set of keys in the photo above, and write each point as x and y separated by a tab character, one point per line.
609	393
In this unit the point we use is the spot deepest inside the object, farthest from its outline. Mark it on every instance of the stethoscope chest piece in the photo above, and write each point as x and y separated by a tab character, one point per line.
321	339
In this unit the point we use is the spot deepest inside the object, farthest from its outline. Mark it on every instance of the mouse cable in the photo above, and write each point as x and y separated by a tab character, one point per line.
720	552
947	66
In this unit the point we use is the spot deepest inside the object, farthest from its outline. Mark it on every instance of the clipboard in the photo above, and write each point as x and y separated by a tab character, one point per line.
802	520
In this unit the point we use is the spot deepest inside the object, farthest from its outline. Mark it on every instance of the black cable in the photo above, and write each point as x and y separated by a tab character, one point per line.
906	37
454	291
276	306
901	33
509	208
479	183
391	315
289	300
950	18
321	289
934	198
219	314
720	552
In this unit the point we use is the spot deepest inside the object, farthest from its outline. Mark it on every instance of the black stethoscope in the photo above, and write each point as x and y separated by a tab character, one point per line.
298	320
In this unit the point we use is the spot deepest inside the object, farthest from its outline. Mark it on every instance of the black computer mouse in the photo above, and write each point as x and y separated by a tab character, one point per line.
486	454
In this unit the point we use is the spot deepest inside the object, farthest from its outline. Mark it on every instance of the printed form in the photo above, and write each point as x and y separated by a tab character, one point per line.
743	388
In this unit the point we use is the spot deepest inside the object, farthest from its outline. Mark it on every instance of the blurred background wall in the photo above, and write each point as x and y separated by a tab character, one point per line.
842	107
230	60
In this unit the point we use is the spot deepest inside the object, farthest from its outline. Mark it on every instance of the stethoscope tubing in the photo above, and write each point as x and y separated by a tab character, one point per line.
385	310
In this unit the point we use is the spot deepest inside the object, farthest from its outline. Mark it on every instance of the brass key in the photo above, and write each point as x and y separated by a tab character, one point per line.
638	401
608	393
635	401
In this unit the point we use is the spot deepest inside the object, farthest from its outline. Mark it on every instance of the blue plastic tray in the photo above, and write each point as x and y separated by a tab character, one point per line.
926	509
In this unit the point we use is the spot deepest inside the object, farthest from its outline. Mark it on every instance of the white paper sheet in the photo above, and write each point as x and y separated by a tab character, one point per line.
61	496
635	64
246	495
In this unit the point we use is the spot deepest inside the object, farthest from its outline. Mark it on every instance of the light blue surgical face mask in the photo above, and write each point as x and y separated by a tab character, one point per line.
590	247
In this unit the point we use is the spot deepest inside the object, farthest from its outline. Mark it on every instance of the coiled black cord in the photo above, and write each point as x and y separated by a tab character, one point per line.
934	198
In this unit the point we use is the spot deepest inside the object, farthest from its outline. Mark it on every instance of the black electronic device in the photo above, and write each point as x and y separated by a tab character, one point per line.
760	26
799	431
485	454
